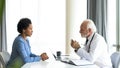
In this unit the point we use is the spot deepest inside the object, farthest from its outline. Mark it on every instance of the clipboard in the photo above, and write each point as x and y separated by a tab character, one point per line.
77	62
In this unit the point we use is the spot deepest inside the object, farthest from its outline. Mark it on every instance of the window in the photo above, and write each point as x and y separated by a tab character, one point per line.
48	19
55	22
112	25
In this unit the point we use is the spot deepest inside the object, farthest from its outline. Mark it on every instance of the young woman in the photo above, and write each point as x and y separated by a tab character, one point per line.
21	51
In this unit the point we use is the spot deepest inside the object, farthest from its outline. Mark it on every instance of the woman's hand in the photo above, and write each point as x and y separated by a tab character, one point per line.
44	56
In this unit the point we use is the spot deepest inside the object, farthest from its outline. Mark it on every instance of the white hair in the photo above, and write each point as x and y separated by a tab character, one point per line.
91	25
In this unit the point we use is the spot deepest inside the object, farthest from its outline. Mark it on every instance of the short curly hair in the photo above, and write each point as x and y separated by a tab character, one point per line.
23	24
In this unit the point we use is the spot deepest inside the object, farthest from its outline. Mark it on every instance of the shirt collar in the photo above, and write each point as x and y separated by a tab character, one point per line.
89	38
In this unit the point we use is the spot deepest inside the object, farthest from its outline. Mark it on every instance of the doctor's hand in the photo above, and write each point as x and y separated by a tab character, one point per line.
44	56
75	44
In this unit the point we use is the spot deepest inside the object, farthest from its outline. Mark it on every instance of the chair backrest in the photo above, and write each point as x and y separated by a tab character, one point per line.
4	58
115	58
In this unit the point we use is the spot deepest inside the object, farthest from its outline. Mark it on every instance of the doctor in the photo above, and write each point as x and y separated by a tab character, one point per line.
95	48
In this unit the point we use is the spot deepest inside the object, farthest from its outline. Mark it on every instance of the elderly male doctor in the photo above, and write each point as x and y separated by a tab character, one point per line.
95	48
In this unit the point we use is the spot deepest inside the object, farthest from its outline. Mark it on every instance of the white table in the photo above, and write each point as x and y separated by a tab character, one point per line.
54	64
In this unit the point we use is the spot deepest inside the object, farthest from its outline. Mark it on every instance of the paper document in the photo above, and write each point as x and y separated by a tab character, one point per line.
77	62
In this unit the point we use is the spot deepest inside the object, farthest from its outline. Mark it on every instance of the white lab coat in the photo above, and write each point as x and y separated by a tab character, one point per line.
98	53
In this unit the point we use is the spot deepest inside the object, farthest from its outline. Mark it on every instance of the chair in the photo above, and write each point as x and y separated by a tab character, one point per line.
4	58
115	59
